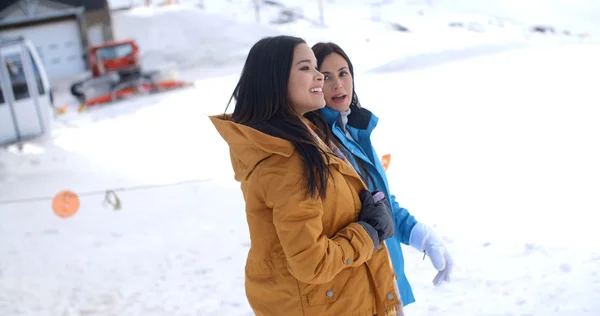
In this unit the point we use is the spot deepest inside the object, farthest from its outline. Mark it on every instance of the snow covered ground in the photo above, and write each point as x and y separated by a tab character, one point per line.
497	151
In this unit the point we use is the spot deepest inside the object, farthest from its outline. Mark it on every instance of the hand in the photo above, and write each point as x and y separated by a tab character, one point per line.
376	212
424	239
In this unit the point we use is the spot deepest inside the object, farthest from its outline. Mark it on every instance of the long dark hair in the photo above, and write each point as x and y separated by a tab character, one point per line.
262	103
321	51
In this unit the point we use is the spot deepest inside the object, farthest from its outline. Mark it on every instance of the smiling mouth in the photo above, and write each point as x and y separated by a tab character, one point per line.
316	90
339	98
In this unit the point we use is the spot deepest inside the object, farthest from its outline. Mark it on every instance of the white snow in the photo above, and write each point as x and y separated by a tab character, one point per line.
497	149
185	36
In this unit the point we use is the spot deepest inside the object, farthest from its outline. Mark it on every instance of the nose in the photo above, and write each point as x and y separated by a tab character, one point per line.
320	76
337	85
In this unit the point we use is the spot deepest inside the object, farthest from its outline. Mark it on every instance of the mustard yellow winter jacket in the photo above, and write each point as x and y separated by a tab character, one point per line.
308	256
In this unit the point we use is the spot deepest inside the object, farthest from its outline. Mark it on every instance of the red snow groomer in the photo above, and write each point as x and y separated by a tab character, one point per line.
117	73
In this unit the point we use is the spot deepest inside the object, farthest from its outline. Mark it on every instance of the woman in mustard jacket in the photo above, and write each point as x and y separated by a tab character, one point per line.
316	232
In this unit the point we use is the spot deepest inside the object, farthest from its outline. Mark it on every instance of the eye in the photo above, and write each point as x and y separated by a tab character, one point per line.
326	77
304	68
343	73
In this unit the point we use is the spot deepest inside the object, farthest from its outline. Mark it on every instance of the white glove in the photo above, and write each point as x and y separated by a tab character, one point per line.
424	239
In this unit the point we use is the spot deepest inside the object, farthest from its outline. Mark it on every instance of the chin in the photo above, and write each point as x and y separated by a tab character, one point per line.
319	106
313	108
339	107
316	108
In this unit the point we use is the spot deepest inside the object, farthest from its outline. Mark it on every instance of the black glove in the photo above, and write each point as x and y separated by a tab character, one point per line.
376	214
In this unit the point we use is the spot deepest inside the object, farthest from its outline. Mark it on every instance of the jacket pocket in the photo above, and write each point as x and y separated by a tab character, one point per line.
327	293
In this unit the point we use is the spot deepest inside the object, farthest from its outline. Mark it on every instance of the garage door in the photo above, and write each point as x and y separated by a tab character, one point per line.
59	46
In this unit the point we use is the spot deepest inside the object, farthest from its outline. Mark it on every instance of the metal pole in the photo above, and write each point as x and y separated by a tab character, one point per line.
31	81
257	10
9	97
321	13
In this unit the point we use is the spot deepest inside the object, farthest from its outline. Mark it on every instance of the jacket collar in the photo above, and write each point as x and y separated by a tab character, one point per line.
359	118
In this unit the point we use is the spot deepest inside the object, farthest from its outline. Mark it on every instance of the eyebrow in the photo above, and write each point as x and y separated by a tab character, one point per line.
303	61
326	72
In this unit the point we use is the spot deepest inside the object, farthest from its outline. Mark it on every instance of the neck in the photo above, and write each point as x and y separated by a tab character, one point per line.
344	121
344	115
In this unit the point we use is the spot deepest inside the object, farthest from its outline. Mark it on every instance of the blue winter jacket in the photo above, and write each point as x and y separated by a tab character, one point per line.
361	123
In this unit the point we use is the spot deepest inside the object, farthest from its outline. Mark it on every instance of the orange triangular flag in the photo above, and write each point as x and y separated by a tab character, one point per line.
385	161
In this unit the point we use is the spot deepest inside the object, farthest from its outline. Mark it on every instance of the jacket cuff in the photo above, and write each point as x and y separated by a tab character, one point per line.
372	233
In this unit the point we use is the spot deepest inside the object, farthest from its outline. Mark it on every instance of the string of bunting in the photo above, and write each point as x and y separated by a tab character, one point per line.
66	203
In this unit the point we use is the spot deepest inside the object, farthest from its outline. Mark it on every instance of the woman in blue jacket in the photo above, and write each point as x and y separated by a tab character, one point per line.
349	126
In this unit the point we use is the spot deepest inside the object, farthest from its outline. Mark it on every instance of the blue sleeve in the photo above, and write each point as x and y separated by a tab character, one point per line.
403	220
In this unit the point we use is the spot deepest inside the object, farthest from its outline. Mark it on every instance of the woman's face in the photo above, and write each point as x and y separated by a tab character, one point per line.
338	82
305	86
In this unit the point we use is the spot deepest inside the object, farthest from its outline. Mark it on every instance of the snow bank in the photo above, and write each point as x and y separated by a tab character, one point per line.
185	36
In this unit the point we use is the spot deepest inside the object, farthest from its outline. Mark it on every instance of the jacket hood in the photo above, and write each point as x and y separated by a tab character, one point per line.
248	146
